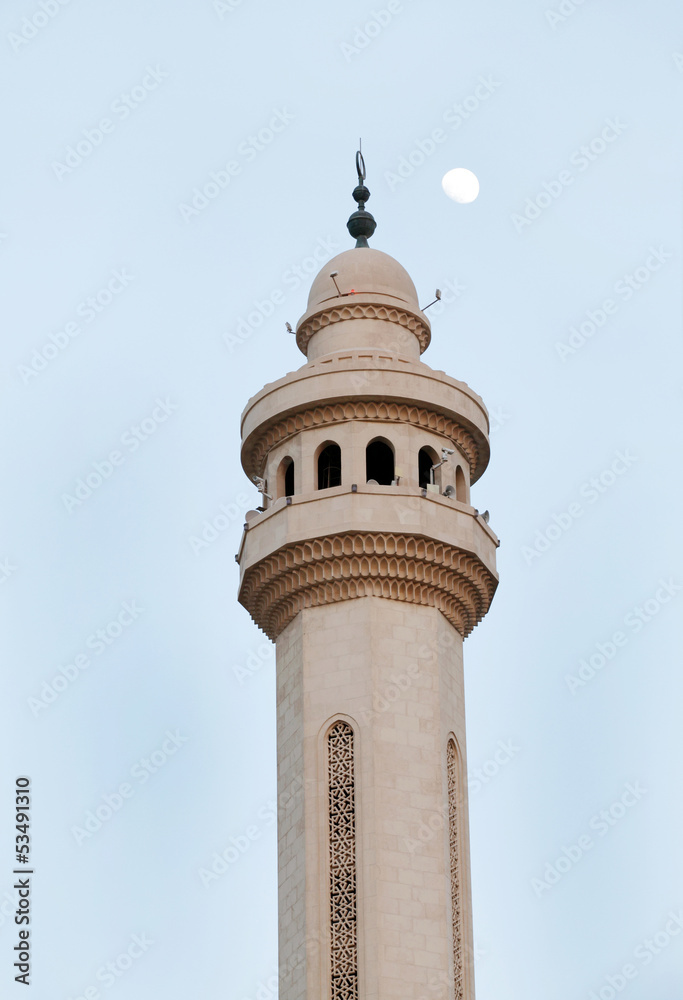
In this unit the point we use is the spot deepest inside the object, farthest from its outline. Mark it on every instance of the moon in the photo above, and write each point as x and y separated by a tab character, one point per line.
461	185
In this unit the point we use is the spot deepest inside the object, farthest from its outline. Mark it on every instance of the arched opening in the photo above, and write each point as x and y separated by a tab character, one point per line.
285	478
460	485
329	467
379	463
425	460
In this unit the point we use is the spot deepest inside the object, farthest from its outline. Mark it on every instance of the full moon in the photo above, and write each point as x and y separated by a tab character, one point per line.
461	185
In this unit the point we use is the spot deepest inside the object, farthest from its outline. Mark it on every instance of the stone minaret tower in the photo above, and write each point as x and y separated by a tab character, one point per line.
368	567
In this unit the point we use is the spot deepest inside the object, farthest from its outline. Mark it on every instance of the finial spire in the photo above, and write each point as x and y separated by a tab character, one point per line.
361	224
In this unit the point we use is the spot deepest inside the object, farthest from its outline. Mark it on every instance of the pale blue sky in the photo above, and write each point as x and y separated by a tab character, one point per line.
182	87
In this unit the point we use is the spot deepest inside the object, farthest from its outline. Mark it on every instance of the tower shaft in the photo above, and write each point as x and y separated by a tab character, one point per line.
377	907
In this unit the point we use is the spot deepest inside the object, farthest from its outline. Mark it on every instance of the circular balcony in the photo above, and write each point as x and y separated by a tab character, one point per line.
403	544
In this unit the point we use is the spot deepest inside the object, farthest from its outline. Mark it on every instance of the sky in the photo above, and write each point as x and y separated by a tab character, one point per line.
170	171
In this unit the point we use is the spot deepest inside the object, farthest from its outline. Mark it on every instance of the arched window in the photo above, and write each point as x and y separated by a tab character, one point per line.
453	776
285	478
329	467
379	463
460	485
342	857
425	460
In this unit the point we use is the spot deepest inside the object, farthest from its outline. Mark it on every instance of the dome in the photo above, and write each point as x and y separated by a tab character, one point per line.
373	305
366	271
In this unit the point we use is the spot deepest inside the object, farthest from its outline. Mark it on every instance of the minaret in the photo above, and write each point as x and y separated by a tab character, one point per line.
368	567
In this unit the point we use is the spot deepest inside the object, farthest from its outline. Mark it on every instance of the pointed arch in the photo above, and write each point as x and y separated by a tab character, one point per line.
379	462
329	466
426	458
285	477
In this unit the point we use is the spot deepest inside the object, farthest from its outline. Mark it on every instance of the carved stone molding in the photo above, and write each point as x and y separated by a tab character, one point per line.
364	410
337	314
452	763
342	841
397	566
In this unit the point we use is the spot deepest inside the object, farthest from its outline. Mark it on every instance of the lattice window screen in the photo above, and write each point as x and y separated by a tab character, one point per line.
344	953
456	912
